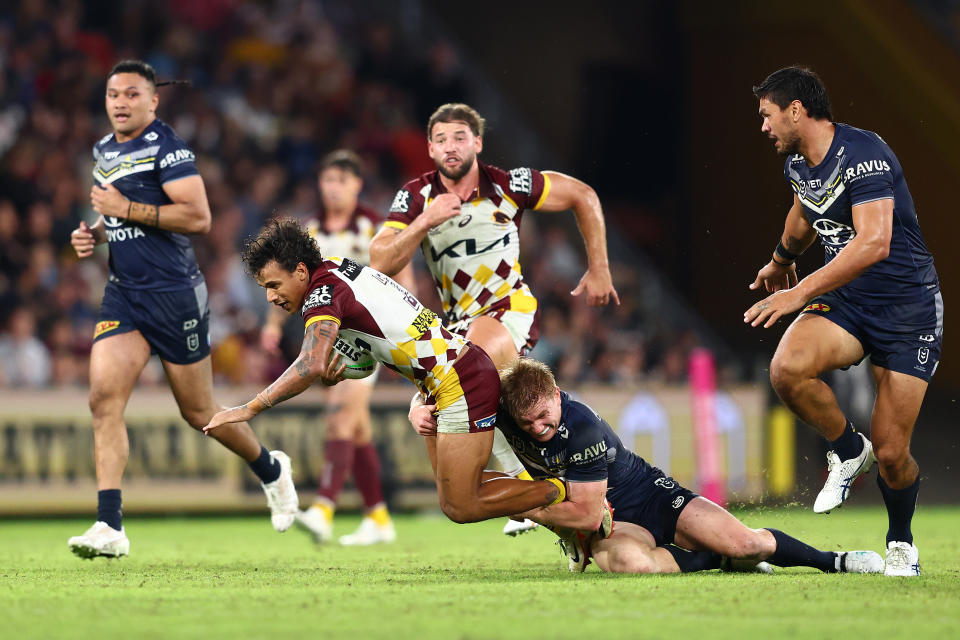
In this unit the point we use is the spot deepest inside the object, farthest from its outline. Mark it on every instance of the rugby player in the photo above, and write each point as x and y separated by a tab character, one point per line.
342	300
877	295
150	198
659	526
466	216
344	227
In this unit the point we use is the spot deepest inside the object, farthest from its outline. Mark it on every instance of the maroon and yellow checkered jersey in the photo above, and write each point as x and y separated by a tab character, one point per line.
352	242
378	315
474	257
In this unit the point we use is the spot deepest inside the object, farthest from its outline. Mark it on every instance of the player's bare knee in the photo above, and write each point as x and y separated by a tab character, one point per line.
748	545
785	375
891	456
631	561
196	418
458	513
104	404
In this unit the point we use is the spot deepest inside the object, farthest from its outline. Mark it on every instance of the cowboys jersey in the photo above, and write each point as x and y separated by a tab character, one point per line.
141	256
860	168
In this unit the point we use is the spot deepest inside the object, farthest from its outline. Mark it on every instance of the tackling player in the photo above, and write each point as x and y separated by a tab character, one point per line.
878	294
660	527
344	227
342	300
150	197
466	217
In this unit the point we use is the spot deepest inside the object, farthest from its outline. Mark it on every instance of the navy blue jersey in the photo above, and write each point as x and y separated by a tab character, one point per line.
859	168
584	449
144	257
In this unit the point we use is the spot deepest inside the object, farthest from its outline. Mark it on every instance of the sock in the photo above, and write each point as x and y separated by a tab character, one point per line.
366	475
524	475
325	507
109	508
690	561
379	514
849	444
793	553
338	459
266	468
504	454
900	506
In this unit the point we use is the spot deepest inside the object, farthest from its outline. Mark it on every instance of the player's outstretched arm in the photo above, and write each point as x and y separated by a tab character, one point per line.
873	222
565	193
188	213
392	248
582	509
312	364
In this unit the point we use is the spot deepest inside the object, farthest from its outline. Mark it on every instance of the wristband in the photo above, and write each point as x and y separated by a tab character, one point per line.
782	253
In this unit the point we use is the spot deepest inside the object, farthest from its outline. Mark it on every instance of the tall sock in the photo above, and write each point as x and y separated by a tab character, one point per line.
900	506
338	459
110	508
690	561
266	468
504	454
366	475
793	553
849	444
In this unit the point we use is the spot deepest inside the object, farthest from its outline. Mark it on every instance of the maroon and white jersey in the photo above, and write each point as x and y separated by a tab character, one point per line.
378	315
352	242
475	257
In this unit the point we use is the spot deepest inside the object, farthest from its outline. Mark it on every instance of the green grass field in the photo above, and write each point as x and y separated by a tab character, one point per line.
236	578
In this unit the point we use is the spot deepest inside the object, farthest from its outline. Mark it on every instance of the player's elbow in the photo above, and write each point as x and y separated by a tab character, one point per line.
380	260
203	222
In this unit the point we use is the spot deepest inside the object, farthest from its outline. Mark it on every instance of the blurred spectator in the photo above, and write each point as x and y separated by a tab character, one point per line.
24	360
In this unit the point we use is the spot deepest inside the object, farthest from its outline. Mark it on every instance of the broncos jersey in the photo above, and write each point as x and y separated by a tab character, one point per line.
378	315
474	257
859	168
584	449
353	242
145	257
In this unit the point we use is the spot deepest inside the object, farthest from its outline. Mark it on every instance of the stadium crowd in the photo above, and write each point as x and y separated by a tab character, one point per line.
272	88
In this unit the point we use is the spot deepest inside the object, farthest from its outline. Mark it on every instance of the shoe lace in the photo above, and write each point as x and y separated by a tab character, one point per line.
897	555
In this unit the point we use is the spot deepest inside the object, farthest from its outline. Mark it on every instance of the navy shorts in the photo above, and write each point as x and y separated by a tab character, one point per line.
655	503
176	324
906	338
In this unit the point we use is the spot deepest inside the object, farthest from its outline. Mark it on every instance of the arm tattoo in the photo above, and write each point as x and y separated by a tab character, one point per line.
795	245
148	214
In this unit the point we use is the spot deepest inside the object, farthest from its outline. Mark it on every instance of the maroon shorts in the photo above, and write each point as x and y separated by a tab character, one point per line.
468	396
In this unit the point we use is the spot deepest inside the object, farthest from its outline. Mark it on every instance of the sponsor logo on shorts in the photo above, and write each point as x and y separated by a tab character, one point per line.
665	483
484	424
923	354
322	296
817	306
349	269
193	342
104	326
190	324
929	337
678	502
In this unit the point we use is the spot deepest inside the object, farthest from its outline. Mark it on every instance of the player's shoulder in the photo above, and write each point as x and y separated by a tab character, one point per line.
578	416
857	140
519	180
412	194
104	141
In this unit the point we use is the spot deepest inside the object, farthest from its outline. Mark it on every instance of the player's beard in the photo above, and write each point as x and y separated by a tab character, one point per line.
465	165
789	145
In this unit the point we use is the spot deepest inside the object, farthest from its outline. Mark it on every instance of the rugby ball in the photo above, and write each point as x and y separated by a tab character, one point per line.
360	362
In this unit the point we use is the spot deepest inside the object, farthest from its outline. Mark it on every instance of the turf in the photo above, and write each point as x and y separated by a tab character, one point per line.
236	578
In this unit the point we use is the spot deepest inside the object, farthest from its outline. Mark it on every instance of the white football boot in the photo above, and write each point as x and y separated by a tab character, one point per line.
315	521
574	545
100	540
281	494
840	476
369	532
903	559
514	528
859	562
